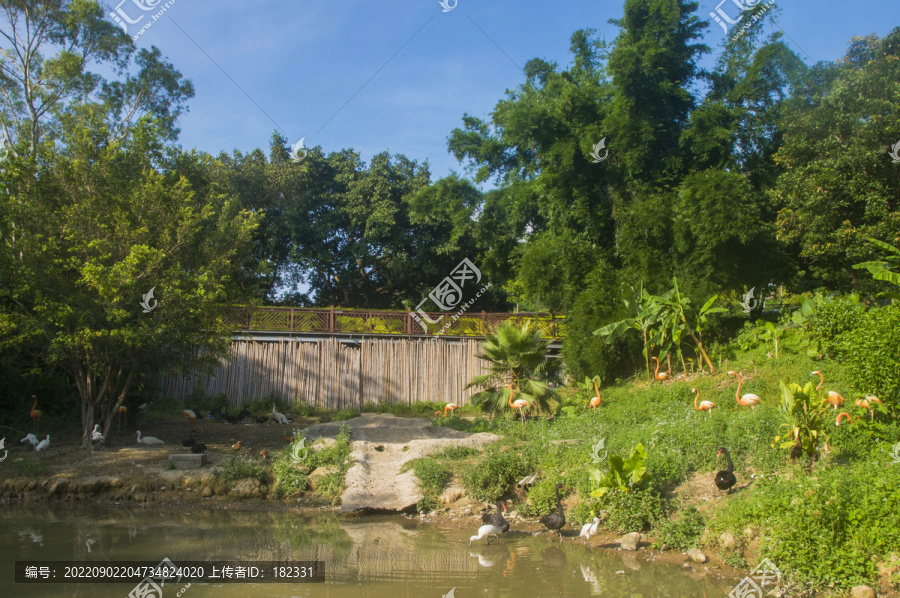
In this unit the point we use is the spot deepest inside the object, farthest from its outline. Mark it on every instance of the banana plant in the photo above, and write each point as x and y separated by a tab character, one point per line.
624	475
886	269
804	417
646	309
680	307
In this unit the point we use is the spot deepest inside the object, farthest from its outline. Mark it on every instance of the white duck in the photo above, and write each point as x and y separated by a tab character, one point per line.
30	439
279	417
148	439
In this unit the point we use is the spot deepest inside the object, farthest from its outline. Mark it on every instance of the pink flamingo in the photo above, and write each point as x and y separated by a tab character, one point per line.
595	401
837	422
868	402
834	398
656	374
704	405
519	404
450	407
749	399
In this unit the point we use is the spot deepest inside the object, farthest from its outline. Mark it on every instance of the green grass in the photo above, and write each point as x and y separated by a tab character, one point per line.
431	477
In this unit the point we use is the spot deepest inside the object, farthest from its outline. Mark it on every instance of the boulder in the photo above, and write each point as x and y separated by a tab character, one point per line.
187	461
58	485
696	555
451	494
630	541
247	488
862	592
726	541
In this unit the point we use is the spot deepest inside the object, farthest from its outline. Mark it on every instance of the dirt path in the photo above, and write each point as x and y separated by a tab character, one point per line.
381	444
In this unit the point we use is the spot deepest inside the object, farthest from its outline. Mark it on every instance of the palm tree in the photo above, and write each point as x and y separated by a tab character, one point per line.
517	356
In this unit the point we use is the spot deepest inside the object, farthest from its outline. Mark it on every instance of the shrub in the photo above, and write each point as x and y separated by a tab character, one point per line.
489	479
683	533
625	512
871	352
236	468
289	480
834	318
345	414
431	477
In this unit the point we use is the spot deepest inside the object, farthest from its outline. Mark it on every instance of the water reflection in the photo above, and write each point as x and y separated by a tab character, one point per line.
375	557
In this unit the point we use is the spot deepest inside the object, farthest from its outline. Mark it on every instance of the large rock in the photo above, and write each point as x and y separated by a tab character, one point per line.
696	555
862	592
381	444
248	488
188	461
726	541
630	541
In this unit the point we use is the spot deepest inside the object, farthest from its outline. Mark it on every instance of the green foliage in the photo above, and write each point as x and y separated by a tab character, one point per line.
345	414
625	512
491	477
871	352
805	418
624	475
431	477
681	534
832	318
289	481
886	269
515	355
336	454
829	528
236	468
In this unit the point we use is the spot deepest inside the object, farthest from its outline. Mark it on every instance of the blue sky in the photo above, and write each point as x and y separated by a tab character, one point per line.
298	66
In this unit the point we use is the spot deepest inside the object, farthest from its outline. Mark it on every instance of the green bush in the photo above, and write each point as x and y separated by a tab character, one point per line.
289	480
431	477
834	318
625	512
458	452
345	414
336	454
489	479
830	527
541	499
683	533
871	352
236	468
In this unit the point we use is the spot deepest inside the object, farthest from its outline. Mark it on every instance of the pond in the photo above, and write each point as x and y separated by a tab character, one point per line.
374	556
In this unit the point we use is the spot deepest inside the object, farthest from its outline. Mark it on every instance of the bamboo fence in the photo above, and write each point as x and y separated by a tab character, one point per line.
332	375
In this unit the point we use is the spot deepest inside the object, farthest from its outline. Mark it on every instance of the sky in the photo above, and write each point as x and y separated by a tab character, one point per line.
399	76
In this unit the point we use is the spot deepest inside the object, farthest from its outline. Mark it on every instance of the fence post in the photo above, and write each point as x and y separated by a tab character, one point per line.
483	329
292	319
250	309
331	319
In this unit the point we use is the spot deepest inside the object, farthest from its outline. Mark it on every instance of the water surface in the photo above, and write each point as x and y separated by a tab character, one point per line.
372	557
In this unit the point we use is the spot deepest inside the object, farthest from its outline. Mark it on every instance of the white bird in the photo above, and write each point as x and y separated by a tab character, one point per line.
96	435
486	531
43	444
31	439
279	417
148	439
589	529
452	592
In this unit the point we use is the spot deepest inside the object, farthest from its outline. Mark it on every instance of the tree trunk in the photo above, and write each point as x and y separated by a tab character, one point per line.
712	370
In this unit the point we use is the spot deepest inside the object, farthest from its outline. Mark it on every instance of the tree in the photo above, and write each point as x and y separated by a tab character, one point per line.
839	187
516	355
104	228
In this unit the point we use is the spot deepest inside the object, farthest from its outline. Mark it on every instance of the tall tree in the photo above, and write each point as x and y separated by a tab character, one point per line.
839	186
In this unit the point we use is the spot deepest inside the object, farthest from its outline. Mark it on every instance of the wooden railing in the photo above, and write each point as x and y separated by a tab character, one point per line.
360	321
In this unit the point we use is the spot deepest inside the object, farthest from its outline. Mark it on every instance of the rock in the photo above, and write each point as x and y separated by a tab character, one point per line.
862	592
451	494
696	555
247	488
620	573
630	541
726	541
187	461
59	485
315	478
631	562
